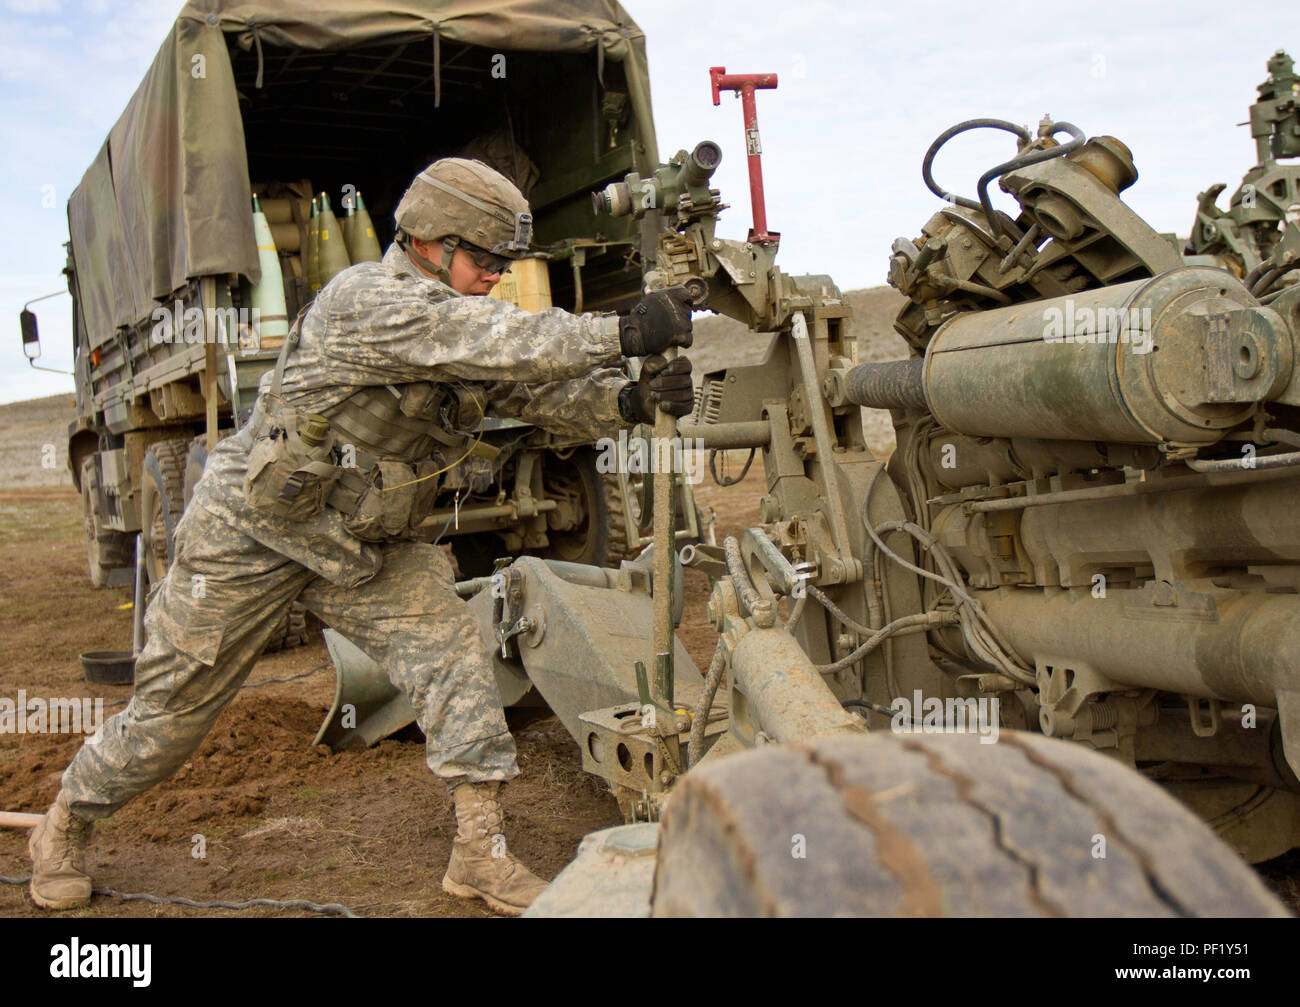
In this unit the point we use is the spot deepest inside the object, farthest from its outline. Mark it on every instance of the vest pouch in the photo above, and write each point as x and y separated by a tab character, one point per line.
291	468
421	400
385	508
426	491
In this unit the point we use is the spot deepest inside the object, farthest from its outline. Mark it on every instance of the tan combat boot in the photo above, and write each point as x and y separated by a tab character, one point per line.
58	850
481	867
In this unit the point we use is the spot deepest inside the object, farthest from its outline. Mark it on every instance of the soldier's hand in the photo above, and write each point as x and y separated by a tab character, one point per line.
660	319
663	383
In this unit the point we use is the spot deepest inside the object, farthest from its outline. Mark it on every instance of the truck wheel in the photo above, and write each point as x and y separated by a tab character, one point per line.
589	542
940	825
106	550
162	500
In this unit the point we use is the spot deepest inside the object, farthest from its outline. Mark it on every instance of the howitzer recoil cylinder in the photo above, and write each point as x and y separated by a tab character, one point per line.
1239	649
1180	359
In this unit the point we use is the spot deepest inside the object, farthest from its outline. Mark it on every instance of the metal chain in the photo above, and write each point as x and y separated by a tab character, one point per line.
326	908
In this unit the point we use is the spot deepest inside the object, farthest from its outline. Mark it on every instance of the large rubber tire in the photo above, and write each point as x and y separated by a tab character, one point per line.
106	550
162	501
940	825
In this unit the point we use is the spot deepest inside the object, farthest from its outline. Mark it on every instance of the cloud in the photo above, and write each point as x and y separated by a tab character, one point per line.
33	6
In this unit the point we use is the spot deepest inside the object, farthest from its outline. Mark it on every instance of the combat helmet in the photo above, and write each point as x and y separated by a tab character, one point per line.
463	202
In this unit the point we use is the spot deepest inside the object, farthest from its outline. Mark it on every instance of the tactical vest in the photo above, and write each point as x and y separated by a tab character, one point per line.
368	457
405	422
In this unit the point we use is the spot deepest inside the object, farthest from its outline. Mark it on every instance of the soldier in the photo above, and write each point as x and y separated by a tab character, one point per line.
380	389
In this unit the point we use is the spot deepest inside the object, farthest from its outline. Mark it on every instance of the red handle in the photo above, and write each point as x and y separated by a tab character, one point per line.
745	84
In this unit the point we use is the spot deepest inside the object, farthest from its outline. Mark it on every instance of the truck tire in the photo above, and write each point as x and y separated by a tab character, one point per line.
940	825
162	501
616	548
589	543
106	550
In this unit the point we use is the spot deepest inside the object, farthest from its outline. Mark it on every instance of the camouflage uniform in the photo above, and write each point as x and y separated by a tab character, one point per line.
236	569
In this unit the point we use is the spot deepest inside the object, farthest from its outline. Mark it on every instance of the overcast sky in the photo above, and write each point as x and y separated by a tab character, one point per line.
864	88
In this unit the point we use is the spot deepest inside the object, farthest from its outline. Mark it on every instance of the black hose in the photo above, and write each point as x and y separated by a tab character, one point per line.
713	456
1269	279
888	711
927	163
866	704
1248	281
1263	282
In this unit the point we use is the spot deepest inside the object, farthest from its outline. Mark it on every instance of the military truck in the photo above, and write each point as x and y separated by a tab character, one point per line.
285	100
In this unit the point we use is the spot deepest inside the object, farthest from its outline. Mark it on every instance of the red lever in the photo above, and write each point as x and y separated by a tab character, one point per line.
745	84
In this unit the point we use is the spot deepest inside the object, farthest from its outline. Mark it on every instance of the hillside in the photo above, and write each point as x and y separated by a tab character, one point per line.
33	434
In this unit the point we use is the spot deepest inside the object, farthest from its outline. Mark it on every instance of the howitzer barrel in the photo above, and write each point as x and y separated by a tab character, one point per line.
891	384
1180	358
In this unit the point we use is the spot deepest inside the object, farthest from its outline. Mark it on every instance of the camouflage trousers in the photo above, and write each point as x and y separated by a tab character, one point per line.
212	615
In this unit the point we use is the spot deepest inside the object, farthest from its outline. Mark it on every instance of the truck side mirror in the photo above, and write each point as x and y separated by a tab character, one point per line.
31	336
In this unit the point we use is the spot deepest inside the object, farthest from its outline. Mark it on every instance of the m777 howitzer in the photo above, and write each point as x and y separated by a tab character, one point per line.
1086	534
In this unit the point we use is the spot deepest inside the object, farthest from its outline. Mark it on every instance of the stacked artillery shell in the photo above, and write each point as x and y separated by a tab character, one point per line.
268	293
345	225
363	246
332	253
313	252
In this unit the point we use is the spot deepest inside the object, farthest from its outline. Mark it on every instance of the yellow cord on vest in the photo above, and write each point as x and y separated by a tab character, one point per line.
477	442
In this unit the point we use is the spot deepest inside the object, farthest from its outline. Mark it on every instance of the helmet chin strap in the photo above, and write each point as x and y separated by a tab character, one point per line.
443	271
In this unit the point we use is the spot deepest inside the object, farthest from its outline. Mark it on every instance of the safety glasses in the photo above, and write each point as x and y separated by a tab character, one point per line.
485	260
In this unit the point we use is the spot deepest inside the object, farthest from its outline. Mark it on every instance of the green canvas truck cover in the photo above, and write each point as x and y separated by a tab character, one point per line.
167	197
